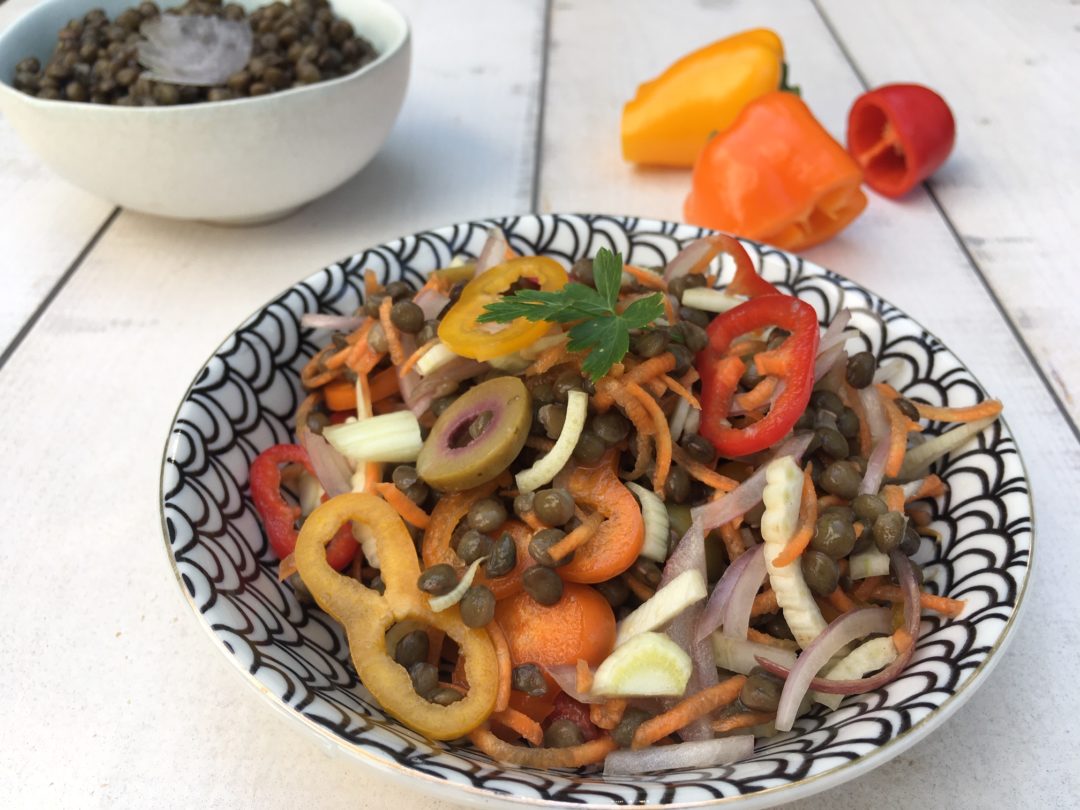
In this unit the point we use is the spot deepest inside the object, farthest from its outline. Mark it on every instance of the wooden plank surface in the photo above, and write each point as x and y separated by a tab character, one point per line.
44	221
1012	187
905	251
120	699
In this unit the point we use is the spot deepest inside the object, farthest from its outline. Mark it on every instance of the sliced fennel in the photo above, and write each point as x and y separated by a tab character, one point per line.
441	603
737	654
367	543
310	492
869	563
783	492
549	466
709	300
648	665
918	459
868	657
685	590
389	437
657	526
435	358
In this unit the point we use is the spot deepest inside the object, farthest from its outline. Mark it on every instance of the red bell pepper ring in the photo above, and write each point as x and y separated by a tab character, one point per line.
746	281
900	134
279	516
792	361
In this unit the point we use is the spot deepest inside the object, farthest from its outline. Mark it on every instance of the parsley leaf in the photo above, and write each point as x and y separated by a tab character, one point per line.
598	328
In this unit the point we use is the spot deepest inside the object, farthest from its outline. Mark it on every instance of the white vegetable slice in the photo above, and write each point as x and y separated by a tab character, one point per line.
783	492
389	437
919	459
648	665
699	754
657	523
549	466
738	654
668	602
868	657
709	300
310	491
440	603
869	563
435	358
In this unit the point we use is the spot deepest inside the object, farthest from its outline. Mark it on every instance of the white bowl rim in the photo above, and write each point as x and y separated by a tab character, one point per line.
473	796
403	37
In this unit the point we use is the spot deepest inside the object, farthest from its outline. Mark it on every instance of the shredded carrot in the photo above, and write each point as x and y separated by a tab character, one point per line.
851	399
758	396
681	390
901	639
371	283
340	395
929	487
646	278
502	655
840	600
897	438
539	443
706	475
604	397
655	386
893	496
356	343
408	510
286	568
733	540
772	641
865	588
311	377
548	359
413	358
669	311
391	404
807	518
742	348
575	756
532	521
688	710
577	538
661	435
776	362
638	588
765	602
608	714
741	720
825	501
393	339
520	723
584	677
384	384
972	413
930	601
305	409
372	475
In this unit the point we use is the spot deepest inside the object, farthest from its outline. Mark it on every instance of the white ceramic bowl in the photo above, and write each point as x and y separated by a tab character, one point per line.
239	161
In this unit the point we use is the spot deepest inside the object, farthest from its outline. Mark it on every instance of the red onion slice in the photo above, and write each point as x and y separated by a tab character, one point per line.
912	623
828	359
695	255
879	437
834	333
330	466
741	603
431	301
702	754
492	253
681	631
835	637
713	616
421	395
565	675
340	323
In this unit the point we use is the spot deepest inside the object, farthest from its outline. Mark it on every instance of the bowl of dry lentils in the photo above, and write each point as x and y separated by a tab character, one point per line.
220	111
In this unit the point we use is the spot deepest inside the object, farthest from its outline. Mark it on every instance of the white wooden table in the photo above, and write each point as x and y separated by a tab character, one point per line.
115	698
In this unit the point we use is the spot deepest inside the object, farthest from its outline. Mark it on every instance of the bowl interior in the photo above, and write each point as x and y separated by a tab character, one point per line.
243	400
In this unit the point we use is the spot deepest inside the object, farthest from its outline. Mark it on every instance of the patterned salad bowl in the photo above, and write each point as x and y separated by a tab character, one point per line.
243	400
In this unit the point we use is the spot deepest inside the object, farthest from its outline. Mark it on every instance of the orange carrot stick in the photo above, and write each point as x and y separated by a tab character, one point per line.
340	395
646	278
384	384
584	676
901	639
772	641
413	358
687	710
735	722
758	396
807	518
851	399
681	390
930	601
408	510
929	487
733	540
577	538
548	359
502	655
371	283
521	724
604	397
638	588
893	496
661	434
706	475
972	413
393	339
575	756
608	714
840	600
764	602
865	589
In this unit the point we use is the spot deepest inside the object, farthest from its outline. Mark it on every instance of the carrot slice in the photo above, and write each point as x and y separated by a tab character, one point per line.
340	395
972	413
393	338
384	384
575	756
502	655
520	724
807	518
408	510
687	710
584	676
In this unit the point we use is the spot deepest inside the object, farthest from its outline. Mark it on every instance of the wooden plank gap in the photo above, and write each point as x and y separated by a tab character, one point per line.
541	100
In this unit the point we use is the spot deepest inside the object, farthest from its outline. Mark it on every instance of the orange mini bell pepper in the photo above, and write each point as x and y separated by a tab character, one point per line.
671	117
776	176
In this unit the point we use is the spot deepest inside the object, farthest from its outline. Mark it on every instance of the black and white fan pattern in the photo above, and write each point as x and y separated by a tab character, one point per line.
243	400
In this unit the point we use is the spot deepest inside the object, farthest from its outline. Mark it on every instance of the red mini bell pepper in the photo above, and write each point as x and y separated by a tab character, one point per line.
278	516
792	362
900	134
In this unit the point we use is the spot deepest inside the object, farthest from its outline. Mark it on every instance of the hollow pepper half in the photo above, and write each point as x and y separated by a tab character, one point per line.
366	616
776	176
671	117
483	341
792	362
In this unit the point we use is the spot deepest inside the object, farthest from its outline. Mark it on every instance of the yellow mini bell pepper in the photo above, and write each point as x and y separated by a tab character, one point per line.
671	117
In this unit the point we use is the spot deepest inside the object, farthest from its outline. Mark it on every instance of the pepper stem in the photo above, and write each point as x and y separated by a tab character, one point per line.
784	86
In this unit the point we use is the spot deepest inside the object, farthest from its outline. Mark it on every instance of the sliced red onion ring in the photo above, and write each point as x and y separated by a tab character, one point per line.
828	359
431	301
834	334
912	623
713	616
836	636
340	323
702	754
879	437
698	253
748	494
330	466
492	253
565	675
681	631
741	603
420	397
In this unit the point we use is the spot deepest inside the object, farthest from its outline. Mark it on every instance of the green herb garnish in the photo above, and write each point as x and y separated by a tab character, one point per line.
602	332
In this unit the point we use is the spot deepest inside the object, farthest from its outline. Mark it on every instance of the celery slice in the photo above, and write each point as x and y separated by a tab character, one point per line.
389	437
649	664
549	466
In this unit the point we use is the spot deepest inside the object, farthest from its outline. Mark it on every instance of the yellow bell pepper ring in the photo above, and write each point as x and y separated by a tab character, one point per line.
366	616
671	117
483	341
